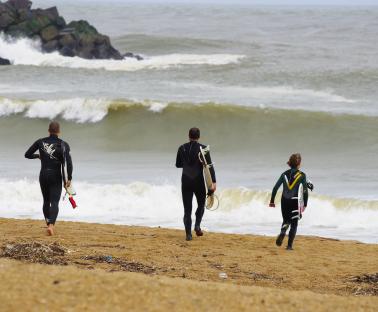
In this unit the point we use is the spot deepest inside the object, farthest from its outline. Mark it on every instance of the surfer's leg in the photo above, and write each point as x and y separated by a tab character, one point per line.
55	193
293	222
187	198
201	200
285	221
43	182
292	233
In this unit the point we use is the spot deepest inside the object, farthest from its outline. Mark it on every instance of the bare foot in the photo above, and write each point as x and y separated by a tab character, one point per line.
50	230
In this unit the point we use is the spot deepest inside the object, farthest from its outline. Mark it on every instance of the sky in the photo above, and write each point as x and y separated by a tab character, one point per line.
276	2
250	2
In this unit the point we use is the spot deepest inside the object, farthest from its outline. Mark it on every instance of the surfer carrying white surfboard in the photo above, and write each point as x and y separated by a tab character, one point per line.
53	152
193	182
294	199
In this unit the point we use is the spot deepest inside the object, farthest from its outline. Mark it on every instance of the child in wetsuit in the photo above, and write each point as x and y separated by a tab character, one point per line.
294	182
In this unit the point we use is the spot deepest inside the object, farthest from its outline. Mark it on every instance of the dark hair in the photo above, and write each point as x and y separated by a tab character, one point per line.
194	133
295	160
54	127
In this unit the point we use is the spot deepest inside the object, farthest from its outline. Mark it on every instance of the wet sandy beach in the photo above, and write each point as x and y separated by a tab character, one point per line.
92	266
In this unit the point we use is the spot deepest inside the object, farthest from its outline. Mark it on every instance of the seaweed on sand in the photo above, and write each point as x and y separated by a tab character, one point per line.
367	284
123	265
35	252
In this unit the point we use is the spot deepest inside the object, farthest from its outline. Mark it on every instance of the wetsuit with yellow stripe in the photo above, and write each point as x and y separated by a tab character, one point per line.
291	180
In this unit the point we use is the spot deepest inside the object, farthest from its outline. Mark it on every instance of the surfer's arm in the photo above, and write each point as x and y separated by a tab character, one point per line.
30	153
305	190
69	162
179	163
275	189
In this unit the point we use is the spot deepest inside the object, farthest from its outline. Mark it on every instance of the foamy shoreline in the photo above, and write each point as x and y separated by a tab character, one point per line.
242	210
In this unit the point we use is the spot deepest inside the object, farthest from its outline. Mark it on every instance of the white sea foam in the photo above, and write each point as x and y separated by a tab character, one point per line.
27	52
84	110
290	93
241	211
77	109
283	96
80	110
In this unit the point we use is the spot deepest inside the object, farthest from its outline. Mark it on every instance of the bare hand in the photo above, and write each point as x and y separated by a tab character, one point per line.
68	184
214	187
272	205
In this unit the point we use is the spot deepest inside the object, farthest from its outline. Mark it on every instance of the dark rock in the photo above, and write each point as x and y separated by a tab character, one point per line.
102	40
37	23
51	13
24	14
85	52
100	52
77	38
20	30
4	61
68	41
67	31
66	51
91	43
60	22
7	16
19	4
82	28
50	46
49	33
132	55
113	54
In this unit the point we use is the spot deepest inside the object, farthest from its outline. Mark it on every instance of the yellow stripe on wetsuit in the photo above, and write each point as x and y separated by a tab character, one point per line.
297	177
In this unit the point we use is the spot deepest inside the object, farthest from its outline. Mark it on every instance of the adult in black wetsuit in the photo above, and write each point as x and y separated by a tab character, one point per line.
291	179
192	181
51	155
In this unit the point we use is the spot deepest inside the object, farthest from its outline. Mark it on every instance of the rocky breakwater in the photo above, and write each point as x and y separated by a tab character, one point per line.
77	38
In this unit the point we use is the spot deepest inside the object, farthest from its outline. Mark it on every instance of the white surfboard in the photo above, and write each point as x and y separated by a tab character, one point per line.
210	199
301	206
70	190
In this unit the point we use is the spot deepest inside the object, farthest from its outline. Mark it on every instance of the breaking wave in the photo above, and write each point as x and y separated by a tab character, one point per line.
27	52
84	110
241	210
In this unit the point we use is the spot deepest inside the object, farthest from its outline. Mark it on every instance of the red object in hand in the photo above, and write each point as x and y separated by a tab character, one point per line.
272	205
72	201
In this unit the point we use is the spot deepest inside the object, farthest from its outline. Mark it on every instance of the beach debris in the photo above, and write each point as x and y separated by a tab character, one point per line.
223	275
367	284
123	265
259	276
217	266
366	278
36	252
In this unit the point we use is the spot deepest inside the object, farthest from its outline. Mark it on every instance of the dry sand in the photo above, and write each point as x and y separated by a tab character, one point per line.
92	271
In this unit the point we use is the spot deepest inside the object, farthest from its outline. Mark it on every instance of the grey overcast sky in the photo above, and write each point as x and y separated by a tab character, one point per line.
276	2
251	2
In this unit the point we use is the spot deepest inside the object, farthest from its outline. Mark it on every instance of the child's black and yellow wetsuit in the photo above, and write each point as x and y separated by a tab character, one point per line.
291	180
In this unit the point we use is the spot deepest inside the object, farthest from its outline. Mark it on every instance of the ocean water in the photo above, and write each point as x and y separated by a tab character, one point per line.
260	82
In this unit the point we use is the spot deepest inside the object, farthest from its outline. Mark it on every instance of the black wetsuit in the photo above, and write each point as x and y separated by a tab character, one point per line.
291	181
50	178
192	181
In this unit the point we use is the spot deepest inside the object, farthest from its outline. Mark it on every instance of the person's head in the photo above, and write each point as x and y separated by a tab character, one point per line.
194	134
54	128
295	161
